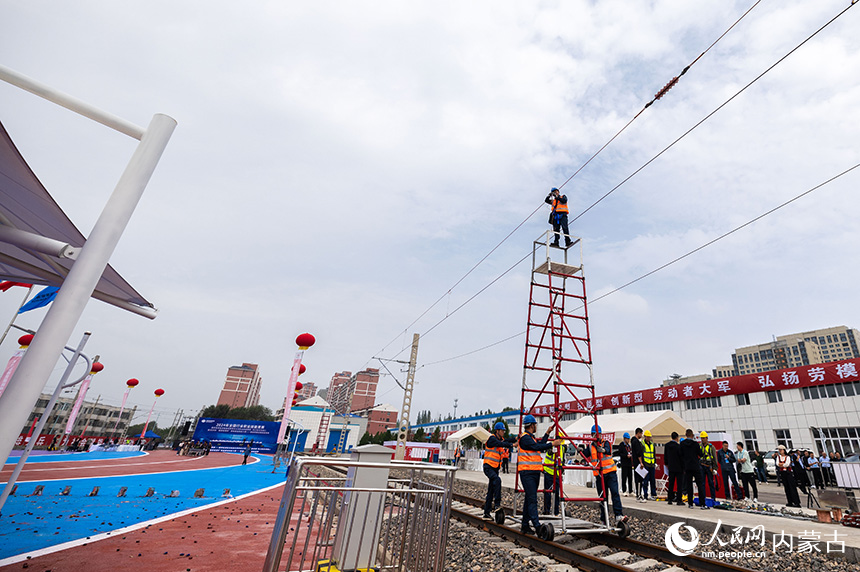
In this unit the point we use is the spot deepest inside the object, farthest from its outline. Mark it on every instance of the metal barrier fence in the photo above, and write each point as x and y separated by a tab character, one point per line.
380	515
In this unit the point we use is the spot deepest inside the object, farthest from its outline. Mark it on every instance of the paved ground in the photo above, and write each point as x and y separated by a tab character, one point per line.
88	465
665	512
35	523
163	533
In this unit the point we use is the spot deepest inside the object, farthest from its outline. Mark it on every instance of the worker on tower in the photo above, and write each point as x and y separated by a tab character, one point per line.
648	461
605	472
493	448
709	464
558	216
551	483
530	468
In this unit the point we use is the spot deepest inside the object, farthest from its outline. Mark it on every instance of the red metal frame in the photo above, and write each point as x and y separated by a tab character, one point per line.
557	333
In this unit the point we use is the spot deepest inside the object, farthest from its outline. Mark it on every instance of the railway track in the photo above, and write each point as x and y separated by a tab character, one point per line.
595	552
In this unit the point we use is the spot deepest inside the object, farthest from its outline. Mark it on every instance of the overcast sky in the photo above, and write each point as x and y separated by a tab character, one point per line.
337	167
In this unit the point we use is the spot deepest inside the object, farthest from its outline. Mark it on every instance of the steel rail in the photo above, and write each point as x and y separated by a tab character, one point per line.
585	561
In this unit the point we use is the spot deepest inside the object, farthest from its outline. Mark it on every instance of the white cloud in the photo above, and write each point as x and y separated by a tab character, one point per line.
337	168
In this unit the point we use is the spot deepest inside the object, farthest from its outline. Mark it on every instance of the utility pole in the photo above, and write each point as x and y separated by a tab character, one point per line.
455	407
403	421
177	419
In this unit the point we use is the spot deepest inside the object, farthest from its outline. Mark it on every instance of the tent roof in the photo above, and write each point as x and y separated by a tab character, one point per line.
315	401
26	205
479	433
660	423
150	434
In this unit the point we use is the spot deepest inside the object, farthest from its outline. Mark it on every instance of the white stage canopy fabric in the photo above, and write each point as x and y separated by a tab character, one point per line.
25	205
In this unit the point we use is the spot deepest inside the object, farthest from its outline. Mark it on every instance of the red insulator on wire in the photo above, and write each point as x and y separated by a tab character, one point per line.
666	88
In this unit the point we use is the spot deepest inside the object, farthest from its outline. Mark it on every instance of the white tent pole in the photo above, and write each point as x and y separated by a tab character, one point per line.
65	100
63	314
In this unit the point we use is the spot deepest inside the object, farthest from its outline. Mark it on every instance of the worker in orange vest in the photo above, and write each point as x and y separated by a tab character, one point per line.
493	449
530	469
558	216
605	472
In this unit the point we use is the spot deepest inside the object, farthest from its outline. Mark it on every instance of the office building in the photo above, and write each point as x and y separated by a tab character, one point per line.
348	392
241	386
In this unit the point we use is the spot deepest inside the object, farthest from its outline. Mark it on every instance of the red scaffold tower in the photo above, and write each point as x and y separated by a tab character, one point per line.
558	335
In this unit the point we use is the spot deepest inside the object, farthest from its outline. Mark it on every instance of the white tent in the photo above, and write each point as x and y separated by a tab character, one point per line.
479	433
660	423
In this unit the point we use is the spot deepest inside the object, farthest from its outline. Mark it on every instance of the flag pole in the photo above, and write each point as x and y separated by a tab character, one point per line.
15	315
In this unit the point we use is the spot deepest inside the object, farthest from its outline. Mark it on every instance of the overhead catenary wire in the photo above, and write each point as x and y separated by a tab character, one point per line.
672	144
712	113
673	261
656	97
663	91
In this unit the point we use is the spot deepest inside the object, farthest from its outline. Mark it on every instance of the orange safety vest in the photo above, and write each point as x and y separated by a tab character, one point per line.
493	456
606	464
529	460
558	207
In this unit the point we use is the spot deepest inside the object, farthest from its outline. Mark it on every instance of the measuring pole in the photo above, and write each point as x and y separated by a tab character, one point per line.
403	422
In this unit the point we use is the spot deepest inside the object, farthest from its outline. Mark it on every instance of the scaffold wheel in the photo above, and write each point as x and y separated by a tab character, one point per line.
500	516
546	531
623	529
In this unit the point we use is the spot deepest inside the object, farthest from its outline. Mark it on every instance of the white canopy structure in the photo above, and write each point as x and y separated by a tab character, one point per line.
39	243
42	246
478	433
660	423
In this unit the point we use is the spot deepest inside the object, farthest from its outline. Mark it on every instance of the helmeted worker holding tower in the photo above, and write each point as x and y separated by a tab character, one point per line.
558	216
493	449
600	457
530	468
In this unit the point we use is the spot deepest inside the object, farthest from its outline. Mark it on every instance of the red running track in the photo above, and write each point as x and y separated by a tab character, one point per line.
155	462
232	536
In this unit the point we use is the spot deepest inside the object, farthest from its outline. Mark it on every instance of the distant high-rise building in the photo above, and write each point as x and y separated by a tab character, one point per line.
792	350
349	392
307	391
242	386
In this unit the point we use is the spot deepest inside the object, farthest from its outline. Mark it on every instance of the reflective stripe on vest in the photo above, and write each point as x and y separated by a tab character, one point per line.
706	452
493	456
558	207
528	460
648	453
549	461
605	465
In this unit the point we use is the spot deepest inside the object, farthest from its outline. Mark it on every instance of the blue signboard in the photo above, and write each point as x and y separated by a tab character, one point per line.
233	435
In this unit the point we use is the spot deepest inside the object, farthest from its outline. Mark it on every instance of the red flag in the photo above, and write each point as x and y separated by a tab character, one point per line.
5	285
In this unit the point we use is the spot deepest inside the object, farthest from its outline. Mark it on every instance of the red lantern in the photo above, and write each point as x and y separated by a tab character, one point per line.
132	382
159	392
299	386
304	341
27	339
302	368
97	367
295	401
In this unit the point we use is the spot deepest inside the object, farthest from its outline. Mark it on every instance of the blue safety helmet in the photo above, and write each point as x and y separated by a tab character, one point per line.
627	435
499	426
596	429
529	419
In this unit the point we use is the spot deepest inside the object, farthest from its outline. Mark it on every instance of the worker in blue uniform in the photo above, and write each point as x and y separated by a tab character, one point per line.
493	448
530	469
